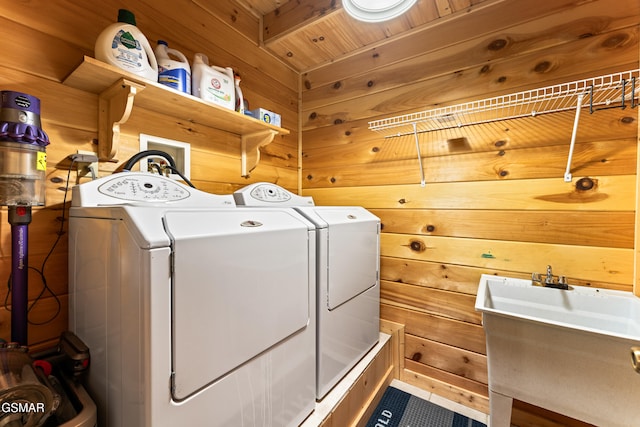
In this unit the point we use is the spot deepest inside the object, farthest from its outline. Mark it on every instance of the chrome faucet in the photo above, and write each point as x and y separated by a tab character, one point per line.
550	281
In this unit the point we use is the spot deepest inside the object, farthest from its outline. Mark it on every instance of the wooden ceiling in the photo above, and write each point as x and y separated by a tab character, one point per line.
307	34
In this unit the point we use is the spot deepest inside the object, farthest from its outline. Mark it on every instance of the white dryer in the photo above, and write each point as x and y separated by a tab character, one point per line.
348	279
197	313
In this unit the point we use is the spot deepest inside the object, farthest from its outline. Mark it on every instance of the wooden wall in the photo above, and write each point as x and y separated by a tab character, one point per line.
494	200
44	41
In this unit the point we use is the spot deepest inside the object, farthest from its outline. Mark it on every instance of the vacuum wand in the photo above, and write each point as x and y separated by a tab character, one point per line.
19	218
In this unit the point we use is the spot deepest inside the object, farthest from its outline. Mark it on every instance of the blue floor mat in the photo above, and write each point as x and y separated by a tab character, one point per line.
401	409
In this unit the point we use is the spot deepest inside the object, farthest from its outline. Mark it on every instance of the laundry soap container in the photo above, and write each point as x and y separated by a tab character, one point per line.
122	44
213	84
239	97
174	73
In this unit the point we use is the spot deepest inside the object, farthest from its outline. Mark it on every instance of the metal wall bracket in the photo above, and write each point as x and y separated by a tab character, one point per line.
421	168
567	172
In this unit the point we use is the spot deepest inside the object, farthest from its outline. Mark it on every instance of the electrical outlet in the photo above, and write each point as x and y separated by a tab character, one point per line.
85	168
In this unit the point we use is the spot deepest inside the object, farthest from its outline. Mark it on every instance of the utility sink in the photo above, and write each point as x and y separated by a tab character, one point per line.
568	351
596	310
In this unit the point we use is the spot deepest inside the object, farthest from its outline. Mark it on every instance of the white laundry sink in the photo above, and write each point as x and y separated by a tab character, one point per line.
565	350
602	311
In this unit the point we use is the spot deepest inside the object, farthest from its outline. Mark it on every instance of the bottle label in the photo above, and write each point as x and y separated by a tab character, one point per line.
177	78
127	51
219	92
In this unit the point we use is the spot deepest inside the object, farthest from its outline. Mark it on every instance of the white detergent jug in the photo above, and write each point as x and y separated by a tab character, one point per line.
213	84
173	73
123	45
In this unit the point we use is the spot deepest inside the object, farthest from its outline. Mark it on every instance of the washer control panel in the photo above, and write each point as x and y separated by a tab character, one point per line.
144	189
138	188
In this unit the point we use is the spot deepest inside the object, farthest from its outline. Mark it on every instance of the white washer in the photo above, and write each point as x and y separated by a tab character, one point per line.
348	279
196	312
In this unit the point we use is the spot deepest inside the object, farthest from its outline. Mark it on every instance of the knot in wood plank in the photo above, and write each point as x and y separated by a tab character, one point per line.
616	40
417	246
497	44
585	184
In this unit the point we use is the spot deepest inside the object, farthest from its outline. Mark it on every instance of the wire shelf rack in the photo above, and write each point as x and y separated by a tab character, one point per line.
617	90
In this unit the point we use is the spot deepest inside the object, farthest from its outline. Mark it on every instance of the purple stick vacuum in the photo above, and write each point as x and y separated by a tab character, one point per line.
22	185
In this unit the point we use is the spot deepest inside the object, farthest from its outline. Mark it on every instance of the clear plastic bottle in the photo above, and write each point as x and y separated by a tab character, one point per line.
122	44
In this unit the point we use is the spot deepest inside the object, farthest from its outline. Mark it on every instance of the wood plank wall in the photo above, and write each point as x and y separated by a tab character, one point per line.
44	41
495	200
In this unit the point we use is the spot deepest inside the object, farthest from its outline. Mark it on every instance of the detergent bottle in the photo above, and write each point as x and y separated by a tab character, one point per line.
213	84
171	72
123	45
239	97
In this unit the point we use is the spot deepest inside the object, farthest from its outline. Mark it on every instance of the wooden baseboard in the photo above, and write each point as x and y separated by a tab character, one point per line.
448	391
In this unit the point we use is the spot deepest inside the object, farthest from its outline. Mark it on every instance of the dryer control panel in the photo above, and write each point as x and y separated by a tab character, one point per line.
266	194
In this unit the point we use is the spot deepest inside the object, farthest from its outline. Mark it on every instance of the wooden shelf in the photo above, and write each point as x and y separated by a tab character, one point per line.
120	91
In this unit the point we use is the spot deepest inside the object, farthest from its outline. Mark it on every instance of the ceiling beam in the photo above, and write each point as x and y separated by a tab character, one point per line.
294	15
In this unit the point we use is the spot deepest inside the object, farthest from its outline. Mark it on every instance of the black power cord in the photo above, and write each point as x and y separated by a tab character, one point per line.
184	178
156	153
45	287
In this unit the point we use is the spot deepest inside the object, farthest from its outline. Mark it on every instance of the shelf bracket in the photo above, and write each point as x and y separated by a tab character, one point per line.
415	135
567	173
114	108
251	144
